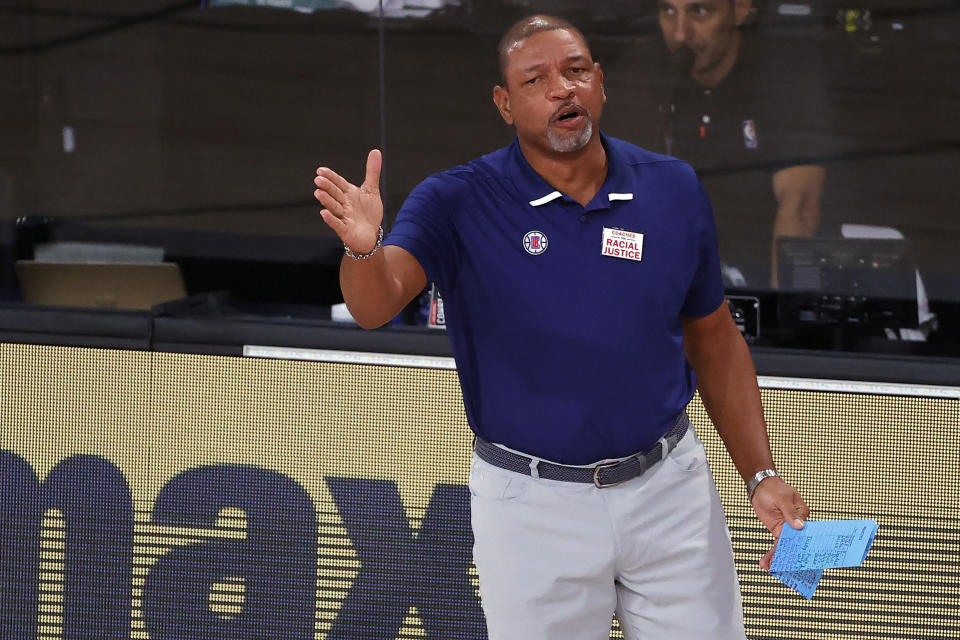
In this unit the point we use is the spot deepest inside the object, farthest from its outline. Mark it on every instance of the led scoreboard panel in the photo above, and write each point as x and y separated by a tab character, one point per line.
179	497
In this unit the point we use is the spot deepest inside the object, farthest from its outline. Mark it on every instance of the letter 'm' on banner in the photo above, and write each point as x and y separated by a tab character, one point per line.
95	501
277	561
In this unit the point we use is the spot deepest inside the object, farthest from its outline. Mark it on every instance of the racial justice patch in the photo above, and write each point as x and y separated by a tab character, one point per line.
619	243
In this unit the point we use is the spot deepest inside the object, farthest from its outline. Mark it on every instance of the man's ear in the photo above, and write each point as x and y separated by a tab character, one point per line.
741	10
603	90
501	98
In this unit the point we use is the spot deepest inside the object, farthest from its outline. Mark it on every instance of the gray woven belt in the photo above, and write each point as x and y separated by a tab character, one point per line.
601	475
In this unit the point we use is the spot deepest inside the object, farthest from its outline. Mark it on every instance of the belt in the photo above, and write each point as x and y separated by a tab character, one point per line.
601	475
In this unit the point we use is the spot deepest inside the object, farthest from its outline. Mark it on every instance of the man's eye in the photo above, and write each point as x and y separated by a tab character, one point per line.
531	81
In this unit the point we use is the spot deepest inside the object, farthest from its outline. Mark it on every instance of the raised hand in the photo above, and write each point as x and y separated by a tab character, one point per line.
354	213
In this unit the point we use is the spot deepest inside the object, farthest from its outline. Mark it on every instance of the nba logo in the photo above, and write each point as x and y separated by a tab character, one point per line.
535	242
750	134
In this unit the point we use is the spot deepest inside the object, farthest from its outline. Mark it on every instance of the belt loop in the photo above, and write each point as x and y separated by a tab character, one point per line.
664	448
534	472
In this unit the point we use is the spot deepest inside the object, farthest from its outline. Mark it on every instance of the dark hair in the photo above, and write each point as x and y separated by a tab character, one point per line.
525	28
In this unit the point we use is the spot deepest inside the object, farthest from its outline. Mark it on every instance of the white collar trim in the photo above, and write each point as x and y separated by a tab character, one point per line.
550	197
545	199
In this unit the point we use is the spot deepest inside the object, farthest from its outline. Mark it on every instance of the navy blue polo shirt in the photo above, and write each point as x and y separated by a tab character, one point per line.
564	321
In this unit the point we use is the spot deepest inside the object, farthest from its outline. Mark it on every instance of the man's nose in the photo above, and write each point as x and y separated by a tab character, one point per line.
561	86
681	29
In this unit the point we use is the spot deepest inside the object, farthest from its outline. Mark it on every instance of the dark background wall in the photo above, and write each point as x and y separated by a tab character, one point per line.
212	121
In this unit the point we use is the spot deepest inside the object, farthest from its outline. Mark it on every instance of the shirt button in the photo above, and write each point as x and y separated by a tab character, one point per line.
583	218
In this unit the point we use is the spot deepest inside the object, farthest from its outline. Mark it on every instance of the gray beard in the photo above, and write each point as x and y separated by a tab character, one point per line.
568	143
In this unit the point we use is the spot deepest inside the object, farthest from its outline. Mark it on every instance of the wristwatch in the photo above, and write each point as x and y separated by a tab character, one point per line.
759	477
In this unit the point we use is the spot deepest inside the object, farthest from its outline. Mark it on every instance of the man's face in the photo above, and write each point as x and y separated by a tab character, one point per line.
554	91
707	27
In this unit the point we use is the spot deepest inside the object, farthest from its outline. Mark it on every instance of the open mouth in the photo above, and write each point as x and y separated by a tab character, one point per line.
568	113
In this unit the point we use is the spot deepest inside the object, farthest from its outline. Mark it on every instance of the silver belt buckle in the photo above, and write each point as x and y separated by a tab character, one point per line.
596	476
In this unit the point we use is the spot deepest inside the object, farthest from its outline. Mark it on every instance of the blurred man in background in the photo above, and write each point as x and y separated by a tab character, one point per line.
749	114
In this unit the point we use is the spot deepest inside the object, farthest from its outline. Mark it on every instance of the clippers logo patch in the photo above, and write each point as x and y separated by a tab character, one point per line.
535	242
750	134
618	243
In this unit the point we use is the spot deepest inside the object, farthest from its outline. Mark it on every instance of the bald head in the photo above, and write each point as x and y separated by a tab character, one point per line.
525	28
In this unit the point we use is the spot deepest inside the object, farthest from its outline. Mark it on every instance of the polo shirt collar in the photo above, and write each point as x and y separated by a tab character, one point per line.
538	192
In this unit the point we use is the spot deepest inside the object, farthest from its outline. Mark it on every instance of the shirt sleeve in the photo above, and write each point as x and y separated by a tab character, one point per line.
425	226
706	293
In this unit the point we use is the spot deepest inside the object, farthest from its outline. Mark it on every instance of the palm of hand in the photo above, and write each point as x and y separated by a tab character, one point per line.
366	213
354	213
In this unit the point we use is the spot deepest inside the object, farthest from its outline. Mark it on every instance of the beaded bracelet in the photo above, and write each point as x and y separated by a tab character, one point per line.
369	254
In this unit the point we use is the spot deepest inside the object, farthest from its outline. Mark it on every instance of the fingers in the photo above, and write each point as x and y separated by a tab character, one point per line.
339	189
325	184
335	223
798	511
371	182
792	514
775	532
334	206
767	558
330	187
803	511
335	178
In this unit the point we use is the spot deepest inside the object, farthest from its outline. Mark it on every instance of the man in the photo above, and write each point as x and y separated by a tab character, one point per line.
750	119
577	270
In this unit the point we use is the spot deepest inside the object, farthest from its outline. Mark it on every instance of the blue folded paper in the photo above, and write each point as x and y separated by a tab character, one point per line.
803	554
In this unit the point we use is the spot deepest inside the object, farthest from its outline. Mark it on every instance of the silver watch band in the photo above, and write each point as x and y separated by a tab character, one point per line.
759	477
